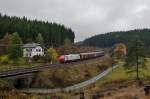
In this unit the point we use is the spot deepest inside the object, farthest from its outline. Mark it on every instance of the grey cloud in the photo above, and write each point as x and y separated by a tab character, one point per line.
85	17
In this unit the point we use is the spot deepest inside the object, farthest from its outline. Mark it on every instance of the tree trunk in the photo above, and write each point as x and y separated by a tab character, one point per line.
137	63
137	71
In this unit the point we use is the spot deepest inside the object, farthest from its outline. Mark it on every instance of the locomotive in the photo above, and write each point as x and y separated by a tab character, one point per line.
80	56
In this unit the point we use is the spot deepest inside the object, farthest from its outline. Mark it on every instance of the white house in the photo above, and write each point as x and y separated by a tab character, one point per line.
32	49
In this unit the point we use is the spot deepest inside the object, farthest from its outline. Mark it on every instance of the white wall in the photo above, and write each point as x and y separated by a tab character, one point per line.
35	51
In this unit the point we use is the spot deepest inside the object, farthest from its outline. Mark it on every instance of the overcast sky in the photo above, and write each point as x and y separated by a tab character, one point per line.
85	17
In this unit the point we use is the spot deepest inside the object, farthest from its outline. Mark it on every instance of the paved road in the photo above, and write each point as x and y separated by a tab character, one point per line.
71	88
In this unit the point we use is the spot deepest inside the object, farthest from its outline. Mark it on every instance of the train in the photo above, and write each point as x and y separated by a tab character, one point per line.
80	56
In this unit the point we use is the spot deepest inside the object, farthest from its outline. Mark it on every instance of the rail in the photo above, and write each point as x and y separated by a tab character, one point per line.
18	72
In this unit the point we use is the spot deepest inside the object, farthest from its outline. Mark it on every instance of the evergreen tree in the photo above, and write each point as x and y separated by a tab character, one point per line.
67	42
39	39
112	38
15	49
135	60
53	34
5	43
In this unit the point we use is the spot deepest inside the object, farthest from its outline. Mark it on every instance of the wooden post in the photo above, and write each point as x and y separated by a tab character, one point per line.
82	95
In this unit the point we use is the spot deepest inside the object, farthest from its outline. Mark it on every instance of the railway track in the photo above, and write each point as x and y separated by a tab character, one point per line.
18	72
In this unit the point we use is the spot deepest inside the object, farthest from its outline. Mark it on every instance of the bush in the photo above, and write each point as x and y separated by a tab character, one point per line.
20	61
38	58
5	85
4	59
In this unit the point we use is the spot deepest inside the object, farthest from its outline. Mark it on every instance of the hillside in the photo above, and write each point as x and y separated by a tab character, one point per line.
111	38
53	34
65	75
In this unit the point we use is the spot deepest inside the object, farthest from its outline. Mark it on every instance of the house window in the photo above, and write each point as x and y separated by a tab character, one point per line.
27	50
39	50
30	49
29	54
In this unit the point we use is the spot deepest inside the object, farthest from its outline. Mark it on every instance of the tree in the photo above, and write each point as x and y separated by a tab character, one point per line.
40	39
4	59
4	43
53	55
135	57
110	38
67	42
119	51
53	34
15	49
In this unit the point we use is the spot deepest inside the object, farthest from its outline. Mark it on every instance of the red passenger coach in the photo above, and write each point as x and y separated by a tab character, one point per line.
89	55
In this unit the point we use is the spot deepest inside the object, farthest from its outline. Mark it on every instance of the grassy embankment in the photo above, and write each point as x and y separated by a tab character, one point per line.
121	74
67	75
120	85
63	76
116	85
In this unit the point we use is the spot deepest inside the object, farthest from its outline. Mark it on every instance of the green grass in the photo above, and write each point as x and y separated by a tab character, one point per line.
116	74
7	67
121	74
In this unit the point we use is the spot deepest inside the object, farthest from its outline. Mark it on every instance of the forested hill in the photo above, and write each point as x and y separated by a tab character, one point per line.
109	39
53	34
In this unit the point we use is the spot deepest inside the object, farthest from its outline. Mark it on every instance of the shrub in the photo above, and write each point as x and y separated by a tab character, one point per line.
4	84
22	82
38	58
4	59
53	55
20	61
